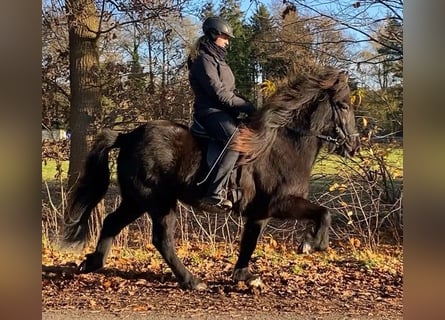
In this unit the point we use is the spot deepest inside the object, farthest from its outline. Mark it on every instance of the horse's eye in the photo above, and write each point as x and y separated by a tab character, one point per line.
343	106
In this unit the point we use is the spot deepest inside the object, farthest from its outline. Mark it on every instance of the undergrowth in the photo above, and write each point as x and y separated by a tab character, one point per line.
364	196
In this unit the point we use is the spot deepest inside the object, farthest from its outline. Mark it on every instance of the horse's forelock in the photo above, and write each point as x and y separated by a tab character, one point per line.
342	89
335	81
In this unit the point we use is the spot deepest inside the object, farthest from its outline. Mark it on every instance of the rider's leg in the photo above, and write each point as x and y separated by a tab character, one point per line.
221	126
221	174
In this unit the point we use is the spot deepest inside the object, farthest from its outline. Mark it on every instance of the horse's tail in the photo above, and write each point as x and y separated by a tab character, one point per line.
90	189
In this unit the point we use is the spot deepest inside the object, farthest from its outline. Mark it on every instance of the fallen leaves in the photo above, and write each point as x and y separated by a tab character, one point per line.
323	282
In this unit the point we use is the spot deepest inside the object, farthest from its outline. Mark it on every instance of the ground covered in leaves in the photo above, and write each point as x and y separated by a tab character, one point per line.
344	280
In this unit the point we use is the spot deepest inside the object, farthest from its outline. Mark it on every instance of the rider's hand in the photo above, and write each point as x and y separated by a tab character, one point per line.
248	108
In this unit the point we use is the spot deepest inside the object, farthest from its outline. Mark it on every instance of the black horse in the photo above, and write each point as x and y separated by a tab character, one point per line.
161	162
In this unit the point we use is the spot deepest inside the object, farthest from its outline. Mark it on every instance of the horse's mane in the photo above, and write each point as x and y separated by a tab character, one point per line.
291	101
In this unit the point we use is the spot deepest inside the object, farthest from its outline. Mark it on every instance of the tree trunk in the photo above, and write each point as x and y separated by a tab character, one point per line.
83	25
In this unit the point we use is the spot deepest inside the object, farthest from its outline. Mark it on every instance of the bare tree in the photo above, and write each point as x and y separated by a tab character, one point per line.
83	28
55	73
88	21
363	21
373	32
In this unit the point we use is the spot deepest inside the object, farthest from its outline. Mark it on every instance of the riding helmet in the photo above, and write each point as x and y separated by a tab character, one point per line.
214	26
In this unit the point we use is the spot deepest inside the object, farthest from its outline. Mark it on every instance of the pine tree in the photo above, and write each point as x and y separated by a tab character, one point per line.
207	10
240	50
296	40
391	39
268	65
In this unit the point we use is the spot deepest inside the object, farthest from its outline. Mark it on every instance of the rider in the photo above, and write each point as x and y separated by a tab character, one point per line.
217	104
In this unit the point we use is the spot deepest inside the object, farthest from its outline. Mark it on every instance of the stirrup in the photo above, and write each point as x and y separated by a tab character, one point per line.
211	203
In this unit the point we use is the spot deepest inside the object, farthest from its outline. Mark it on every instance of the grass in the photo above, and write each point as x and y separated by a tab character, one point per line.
326	164
330	164
49	170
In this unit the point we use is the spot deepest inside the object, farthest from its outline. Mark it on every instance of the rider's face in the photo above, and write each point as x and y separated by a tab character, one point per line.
222	40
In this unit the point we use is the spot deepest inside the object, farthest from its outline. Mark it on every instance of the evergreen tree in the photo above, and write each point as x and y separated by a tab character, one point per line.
391	47
207	11
296	41
240	50
268	65
136	80
391	72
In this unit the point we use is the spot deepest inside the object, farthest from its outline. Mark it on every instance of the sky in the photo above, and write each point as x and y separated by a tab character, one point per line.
247	6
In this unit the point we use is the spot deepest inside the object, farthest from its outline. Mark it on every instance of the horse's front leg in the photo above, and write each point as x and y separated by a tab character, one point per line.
251	233
316	239
163	240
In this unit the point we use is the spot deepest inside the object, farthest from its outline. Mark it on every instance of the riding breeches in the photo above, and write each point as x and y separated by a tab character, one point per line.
220	125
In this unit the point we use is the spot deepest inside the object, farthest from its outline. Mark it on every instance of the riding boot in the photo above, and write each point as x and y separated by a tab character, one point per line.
215	195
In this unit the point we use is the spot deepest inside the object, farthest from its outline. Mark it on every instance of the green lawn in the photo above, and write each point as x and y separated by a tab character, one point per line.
326	164
49	170
329	163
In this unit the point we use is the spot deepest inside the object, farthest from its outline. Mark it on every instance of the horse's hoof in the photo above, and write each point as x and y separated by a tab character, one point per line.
251	280
197	285
90	264
83	268
255	282
304	248
200	286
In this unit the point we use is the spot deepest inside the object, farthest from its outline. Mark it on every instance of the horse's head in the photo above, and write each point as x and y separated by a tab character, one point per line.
343	138
339	128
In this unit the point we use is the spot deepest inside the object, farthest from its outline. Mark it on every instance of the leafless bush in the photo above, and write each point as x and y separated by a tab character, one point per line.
209	227
365	198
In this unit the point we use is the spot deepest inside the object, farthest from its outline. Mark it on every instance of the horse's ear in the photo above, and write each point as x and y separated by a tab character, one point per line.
342	90
343	76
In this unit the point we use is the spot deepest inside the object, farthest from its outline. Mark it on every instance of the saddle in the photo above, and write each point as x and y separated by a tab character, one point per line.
214	149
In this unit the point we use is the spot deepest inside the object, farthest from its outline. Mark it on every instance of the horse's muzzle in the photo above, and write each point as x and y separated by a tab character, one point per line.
352	145
349	147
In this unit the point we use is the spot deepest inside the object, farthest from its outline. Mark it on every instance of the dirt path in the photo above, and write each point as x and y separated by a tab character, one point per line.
239	315
115	294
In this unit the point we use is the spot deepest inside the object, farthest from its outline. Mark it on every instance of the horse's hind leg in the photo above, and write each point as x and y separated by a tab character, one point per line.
251	233
112	225
163	240
300	208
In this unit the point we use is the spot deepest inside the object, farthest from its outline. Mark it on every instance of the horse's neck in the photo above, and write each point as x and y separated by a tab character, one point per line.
300	152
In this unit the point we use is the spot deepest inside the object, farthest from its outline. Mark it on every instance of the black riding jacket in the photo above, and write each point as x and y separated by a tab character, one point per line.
213	84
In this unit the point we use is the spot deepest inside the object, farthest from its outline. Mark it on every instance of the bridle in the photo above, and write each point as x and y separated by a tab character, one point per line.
342	133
